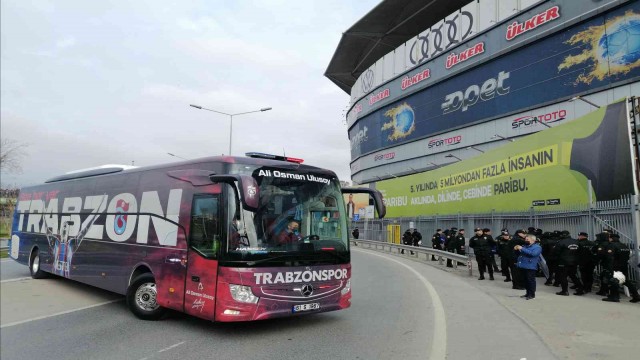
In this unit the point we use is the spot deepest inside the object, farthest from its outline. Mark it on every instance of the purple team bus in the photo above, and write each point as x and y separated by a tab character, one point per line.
221	238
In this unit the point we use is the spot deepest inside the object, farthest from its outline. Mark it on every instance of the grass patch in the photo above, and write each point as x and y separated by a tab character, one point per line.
4	254
5	230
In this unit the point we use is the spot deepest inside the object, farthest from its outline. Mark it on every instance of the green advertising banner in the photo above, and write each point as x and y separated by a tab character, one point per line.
544	170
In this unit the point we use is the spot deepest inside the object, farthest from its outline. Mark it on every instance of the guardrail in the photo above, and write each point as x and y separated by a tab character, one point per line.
417	252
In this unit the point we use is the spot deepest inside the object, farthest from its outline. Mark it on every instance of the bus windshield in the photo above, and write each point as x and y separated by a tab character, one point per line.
301	217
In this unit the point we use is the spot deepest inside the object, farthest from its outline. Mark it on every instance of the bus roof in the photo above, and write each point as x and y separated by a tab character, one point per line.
114	169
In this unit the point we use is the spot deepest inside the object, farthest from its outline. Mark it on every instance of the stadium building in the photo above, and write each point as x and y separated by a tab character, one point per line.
435	83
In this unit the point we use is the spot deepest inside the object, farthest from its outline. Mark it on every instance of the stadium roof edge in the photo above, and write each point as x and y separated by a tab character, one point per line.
381	30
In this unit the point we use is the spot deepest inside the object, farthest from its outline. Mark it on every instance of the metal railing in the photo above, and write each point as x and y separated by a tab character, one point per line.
620	215
417	251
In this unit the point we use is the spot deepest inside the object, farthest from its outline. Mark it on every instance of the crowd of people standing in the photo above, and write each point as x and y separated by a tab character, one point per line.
556	254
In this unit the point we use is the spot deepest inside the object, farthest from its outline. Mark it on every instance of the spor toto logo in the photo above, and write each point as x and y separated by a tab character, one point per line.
387	156
367	80
453	140
526	121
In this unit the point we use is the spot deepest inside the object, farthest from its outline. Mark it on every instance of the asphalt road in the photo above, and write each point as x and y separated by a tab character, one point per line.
401	309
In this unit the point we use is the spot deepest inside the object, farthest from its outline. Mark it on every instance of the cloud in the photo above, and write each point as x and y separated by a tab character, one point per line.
66	42
109	82
237	51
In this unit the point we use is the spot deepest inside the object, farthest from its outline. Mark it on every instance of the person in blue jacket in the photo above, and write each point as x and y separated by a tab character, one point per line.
528	262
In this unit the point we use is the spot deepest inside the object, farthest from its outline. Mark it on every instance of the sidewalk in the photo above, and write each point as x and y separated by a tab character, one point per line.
574	327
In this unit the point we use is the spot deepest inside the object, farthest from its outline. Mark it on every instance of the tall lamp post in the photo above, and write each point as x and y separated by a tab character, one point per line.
230	118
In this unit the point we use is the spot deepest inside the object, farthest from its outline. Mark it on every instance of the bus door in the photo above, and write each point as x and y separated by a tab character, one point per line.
205	235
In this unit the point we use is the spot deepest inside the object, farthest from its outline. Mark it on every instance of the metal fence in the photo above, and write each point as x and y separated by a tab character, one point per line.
620	215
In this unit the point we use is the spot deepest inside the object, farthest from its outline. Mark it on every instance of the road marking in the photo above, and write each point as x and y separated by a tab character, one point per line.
16	279
172	346
57	314
439	344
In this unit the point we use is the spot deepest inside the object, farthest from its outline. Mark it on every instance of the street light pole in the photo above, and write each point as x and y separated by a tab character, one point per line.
230	118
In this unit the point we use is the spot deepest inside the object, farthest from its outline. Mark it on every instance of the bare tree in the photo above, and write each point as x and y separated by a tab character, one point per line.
11	154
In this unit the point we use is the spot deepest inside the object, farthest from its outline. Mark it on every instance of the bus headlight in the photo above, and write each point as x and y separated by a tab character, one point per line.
243	294
346	288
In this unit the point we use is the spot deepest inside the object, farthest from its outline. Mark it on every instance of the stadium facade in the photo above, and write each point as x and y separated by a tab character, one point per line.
434	83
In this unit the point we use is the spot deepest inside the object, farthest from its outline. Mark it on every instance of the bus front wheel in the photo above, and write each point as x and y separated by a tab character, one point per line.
142	298
34	266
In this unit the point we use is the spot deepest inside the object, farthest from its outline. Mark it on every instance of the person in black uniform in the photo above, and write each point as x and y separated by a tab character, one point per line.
407	240
586	261
516	275
416	237
461	245
450	244
436	242
504	253
567	254
617	259
494	249
549	253
355	233
481	246
600	251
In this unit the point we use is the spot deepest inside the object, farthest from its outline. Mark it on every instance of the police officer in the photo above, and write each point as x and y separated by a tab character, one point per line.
617	259
586	260
355	233
450	243
503	252
436	242
416	237
494	249
407	240
481	246
549	243
567	253
516	275
600	251
461	244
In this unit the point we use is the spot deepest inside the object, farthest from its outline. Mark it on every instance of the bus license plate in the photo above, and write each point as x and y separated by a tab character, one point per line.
306	307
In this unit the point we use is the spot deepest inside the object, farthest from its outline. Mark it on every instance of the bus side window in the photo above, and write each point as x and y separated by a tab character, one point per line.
205	225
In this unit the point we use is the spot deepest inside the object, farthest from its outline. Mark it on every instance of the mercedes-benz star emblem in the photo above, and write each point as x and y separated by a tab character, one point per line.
307	290
367	81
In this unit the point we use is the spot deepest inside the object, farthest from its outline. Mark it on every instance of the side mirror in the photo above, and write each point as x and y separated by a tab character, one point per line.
375	194
247	186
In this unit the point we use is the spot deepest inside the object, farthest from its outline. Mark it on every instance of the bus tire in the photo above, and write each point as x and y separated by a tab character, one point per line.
142	298
34	265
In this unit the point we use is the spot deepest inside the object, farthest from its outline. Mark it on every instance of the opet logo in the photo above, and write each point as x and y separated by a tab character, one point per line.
446	141
359	137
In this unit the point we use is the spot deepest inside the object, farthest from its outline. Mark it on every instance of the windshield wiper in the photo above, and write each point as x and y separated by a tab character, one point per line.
256	262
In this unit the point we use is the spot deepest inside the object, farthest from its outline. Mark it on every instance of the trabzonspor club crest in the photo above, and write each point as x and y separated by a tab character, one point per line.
120	223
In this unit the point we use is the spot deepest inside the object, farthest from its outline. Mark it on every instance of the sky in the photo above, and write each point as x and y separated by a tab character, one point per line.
87	83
